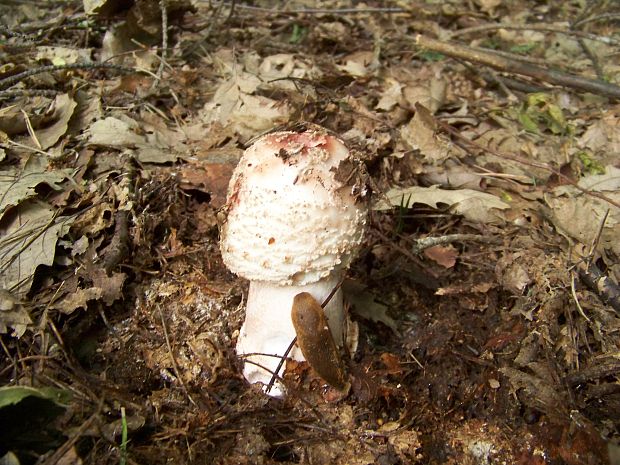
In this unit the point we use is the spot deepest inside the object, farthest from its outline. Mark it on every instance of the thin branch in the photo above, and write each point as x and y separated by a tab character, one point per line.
75	436
486	58
584	46
280	363
172	358
164	39
603	17
428	242
316	11
597	238
536	27
576	299
464	142
12	80
28	93
597	281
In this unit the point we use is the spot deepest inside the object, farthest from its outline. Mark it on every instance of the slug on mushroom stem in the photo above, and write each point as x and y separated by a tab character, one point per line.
316	342
294	222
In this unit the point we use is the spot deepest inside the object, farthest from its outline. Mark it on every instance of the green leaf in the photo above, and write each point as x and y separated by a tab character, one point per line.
11	395
527	122
523	48
297	34
556	120
429	55
590	165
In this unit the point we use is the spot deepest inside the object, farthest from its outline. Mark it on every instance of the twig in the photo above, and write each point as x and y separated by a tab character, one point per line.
30	129
279	366
592	57
231	12
607	290
500	63
11	33
28	93
317	11
536	27
515	56
576	299
514	84
69	443
12	80
603	17
428	242
597	238
600	370
172	358
584	47
464	141
164	40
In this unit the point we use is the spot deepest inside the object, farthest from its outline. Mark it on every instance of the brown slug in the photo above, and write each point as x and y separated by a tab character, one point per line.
316	342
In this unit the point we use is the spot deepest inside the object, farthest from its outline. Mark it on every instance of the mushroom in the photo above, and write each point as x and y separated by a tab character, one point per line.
294	222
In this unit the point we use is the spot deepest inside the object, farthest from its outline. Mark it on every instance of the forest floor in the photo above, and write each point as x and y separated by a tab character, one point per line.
486	291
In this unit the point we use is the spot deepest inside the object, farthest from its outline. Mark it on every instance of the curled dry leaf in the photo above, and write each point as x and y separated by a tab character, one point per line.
13	315
580	216
27	240
473	205
365	306
18	185
234	105
63	55
419	134
442	255
64	107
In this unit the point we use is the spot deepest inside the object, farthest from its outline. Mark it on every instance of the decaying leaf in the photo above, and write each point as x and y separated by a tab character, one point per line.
78	299
19	185
233	104
512	274
360	64
115	132
431	95
365	305
63	55
63	110
420	135
473	205
151	146
442	255
391	95
580	216
603	135
111	286
536	392
12	314
27	240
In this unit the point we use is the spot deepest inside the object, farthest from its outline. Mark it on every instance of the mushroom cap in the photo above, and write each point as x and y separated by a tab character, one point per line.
289	220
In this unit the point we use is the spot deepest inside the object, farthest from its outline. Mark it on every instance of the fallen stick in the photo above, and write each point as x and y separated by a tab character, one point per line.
601	284
501	63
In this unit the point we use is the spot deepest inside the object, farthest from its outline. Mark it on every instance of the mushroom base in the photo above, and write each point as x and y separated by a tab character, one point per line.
268	329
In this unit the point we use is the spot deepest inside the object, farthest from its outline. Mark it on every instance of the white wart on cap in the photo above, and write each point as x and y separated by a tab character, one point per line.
292	226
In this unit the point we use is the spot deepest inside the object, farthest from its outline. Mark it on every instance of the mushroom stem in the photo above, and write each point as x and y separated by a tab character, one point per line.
268	329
